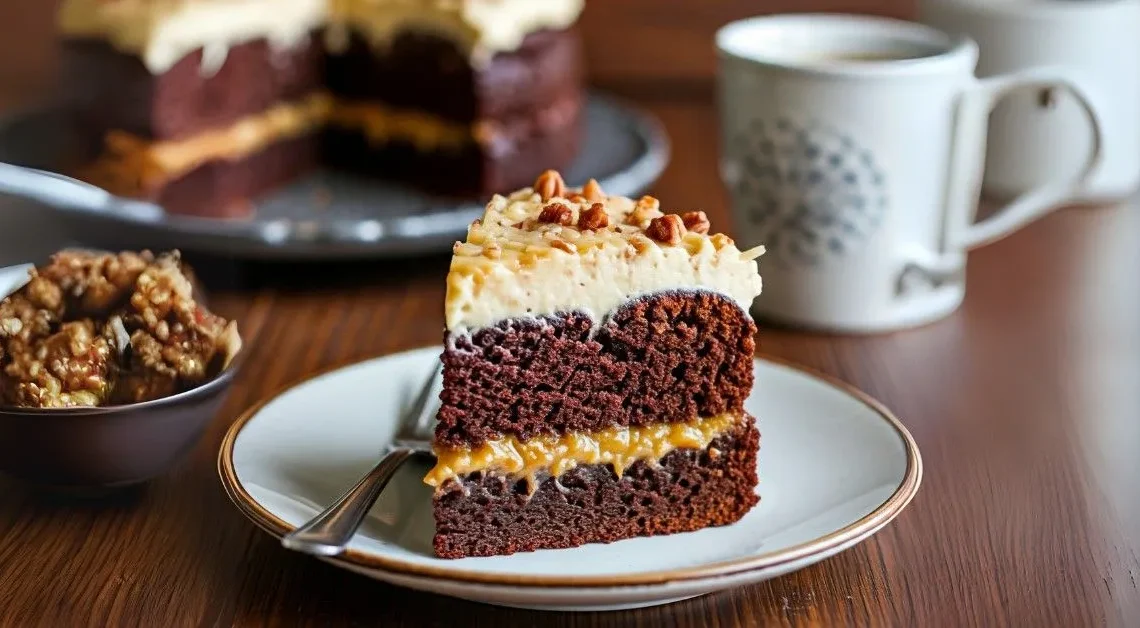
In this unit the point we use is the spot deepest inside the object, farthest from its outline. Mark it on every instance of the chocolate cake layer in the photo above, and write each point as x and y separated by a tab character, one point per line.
687	490
516	155
428	73
664	357
112	90
225	189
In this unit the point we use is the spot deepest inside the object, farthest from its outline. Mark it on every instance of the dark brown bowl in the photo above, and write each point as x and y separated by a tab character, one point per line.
107	447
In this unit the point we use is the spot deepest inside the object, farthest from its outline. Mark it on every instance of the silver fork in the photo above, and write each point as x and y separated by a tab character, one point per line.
329	532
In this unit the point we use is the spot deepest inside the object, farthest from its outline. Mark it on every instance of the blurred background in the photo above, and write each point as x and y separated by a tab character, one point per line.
631	45
657	54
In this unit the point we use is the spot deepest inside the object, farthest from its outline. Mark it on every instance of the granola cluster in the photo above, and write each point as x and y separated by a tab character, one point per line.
94	329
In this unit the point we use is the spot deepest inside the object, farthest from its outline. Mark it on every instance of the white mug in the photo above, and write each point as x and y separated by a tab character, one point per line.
1038	135
852	150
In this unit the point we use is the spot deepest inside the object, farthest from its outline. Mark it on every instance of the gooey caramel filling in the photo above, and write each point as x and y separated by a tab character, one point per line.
556	454
132	165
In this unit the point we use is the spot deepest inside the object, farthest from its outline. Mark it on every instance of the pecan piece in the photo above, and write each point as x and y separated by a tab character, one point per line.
640	244
696	222
593	218
563	245
720	241
668	229
549	184
593	192
557	214
466	249
647	208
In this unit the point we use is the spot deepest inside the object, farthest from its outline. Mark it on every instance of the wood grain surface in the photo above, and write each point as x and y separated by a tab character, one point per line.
1025	403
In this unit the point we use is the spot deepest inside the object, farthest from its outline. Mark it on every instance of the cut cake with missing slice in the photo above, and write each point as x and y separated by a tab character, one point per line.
203	106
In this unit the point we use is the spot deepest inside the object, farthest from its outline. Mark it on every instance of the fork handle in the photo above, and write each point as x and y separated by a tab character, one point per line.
329	532
50	188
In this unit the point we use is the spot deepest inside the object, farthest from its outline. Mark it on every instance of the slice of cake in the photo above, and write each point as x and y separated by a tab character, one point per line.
203	105
598	355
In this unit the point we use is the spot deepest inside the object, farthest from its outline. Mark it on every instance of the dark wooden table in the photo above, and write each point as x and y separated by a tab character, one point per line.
1026	404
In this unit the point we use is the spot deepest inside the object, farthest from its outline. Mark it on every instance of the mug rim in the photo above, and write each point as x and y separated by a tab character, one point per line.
951	49
1031	10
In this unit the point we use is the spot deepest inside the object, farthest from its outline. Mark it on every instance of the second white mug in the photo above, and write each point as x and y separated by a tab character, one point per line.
1041	135
852	150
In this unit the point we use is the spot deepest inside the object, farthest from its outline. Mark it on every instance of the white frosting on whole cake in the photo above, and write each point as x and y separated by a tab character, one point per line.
480	28
161	32
514	265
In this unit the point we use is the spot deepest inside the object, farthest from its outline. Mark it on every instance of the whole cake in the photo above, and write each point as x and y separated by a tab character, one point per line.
598	355
201	105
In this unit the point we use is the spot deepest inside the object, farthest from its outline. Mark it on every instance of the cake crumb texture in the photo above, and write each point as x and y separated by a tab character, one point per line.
665	357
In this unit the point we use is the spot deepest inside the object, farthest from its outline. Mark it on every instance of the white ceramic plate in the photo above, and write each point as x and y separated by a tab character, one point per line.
834	466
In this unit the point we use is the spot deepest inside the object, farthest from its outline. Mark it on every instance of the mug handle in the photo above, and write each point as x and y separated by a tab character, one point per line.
960	232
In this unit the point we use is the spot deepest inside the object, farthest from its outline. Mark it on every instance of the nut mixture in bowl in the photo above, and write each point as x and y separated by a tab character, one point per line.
101	329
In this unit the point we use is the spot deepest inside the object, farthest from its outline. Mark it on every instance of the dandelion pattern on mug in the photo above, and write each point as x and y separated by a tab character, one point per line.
810	192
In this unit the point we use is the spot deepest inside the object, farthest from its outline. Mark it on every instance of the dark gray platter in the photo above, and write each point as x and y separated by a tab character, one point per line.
327	215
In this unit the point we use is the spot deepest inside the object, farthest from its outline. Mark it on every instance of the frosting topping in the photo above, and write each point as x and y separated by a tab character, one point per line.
480	27
163	31
548	249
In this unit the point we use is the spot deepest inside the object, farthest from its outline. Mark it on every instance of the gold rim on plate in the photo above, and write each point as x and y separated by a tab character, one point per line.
865	526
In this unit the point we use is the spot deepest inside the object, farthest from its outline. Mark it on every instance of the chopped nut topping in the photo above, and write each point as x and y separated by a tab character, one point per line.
549	184
649	202
563	245
525	229
94	329
594	218
593	192
463	248
668	229
696	222
557	213
647	209
753	252
555	260
719	240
